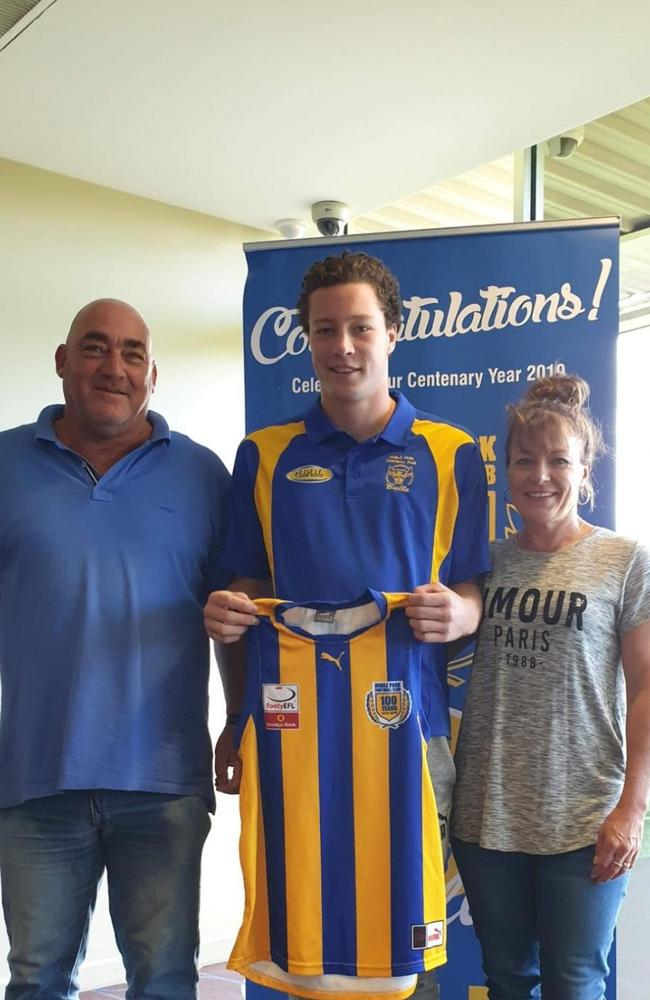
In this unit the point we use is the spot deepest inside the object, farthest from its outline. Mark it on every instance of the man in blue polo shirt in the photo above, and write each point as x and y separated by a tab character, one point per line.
362	491
110	533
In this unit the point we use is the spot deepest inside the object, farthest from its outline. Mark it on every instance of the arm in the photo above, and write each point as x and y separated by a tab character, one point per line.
445	614
442	614
619	838
229	612
231	660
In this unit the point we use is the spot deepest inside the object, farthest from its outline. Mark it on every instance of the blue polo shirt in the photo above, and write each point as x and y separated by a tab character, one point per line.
103	656
327	517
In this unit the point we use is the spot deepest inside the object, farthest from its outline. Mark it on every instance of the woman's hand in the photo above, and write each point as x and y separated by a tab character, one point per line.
618	844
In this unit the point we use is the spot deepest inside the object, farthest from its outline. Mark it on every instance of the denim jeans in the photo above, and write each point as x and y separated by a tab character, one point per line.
544	927
53	852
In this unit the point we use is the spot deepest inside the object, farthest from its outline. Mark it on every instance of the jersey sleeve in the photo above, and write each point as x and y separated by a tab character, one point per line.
635	609
244	551
470	548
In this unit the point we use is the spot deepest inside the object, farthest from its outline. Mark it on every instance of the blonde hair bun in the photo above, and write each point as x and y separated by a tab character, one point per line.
565	390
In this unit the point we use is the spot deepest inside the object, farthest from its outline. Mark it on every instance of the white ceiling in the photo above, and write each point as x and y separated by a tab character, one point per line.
252	110
608	174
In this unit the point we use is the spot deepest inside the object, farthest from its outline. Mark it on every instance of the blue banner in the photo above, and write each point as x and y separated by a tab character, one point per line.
485	313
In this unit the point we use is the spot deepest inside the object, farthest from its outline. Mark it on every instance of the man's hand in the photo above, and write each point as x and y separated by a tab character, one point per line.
442	614
228	614
227	763
618	844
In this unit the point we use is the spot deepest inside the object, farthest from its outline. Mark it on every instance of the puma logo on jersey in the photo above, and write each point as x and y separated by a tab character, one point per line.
336	660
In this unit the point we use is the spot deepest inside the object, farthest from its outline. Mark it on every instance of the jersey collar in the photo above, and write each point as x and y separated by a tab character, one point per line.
319	426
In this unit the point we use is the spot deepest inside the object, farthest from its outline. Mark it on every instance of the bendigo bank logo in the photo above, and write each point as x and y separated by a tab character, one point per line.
388	704
310	474
281	706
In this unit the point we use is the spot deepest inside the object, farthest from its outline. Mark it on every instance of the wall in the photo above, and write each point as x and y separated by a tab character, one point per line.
63	243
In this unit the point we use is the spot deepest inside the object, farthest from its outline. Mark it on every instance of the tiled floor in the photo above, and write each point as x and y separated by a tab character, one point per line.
215	983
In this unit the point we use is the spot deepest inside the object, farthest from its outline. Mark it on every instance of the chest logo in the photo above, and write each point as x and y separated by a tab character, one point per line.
400	473
336	660
388	704
310	474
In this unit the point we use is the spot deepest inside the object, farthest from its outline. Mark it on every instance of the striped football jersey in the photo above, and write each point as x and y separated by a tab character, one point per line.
340	843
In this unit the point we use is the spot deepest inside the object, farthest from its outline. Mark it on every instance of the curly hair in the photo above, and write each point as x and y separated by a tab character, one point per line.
560	397
350	268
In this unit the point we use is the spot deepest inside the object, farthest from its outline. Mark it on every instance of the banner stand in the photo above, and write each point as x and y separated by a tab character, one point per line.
486	311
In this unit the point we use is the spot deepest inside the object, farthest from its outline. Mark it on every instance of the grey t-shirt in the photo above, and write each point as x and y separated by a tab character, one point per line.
541	751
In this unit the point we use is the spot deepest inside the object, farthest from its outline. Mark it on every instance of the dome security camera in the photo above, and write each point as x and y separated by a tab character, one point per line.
331	217
561	147
291	229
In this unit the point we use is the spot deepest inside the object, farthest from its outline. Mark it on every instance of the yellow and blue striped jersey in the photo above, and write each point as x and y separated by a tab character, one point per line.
340	843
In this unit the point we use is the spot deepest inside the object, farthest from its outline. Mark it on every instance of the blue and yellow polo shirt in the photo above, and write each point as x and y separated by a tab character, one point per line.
326	516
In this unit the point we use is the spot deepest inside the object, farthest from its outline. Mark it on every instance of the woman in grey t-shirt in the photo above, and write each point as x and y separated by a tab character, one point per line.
552	787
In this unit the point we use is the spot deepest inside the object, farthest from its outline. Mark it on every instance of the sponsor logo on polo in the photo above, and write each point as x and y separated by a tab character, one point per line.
310	474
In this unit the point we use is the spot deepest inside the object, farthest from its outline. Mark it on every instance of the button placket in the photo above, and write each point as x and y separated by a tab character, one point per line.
354	473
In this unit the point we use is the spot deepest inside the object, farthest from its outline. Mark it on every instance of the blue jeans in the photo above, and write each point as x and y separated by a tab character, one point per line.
544	927
53	852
